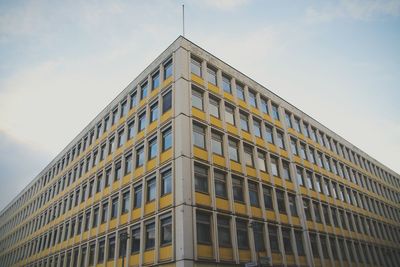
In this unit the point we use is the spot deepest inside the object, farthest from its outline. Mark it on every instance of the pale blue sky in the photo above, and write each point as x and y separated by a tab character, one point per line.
63	61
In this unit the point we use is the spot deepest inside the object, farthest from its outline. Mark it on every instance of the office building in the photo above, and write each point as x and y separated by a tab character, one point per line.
196	164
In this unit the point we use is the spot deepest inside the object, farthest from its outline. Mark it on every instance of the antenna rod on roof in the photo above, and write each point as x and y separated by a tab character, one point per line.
183	19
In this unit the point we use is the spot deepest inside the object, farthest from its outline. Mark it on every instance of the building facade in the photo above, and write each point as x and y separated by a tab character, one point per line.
195	164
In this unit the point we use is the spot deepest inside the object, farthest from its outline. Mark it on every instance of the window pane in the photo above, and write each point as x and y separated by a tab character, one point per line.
201	178
203	228
226	84
197	99
166	186
216	143
195	67
198	136
167	101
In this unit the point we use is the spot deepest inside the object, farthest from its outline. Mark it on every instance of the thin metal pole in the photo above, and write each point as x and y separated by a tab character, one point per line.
183	19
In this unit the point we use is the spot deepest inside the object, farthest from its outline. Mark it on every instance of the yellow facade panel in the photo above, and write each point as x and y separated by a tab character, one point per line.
197	79
200	153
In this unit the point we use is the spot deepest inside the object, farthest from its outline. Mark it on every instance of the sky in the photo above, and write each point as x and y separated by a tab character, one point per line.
62	62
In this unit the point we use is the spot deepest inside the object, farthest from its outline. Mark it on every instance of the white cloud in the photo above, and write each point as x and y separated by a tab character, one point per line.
225	4
353	9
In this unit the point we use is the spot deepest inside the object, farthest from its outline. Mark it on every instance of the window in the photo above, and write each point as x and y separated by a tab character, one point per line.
113	118
258	232
167	69
316	212
201	178
214	107
224	233
128	164
199	136
114	208
280	142
286	170
237	187
293	146
166	139
153	148
280	199
195	67
240	91
111	248
292	205
216	143
299	243
151	189
154	112
133	98
150	235
253	194
226	84
314	245
144	87
275	112
142	121
312	158
229	115
104	212
233	150
244	122
100	256
211	76
287	244
155	78
124	109
197	98
310	184
248	156
167	101
139	157
107	177
95	217
257	128
241	233
125	202
203	226
288	120
303	154
131	129
111	148
92	249
118	171
166	231
166	183
264	106
306	132
122	244
135	240
318	183
252	99
268	134
274	166
220	184
297	124
299	176
268	203
326	214
307	210
137	197
273	238
261	162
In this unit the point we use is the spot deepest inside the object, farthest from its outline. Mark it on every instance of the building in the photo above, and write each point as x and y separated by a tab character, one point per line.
196	164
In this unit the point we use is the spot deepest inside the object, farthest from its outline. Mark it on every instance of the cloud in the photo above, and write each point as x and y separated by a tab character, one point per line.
353	9
226	4
19	163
